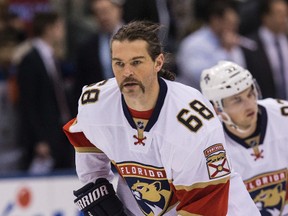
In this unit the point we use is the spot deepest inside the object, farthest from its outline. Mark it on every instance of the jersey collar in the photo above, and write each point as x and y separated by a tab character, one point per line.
260	129
157	108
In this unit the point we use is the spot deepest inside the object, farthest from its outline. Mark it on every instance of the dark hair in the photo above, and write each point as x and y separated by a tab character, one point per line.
42	20
206	9
149	32
266	6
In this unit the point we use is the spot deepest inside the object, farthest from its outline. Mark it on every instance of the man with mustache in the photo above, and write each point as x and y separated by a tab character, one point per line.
255	132
163	138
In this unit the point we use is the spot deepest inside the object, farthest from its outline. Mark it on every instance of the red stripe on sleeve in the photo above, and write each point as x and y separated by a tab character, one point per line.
211	200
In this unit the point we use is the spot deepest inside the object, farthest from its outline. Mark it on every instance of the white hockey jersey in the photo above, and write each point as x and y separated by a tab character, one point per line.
262	158
175	163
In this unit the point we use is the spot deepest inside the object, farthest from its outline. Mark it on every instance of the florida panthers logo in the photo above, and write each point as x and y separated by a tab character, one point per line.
268	190
271	200
149	186
153	198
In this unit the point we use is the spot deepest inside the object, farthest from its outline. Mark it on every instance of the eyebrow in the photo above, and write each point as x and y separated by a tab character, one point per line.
134	58
239	94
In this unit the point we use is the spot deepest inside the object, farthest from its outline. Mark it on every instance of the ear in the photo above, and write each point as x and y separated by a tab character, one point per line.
220	113
157	184
159	61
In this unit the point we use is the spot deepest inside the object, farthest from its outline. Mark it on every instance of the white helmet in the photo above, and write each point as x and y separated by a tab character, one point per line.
224	80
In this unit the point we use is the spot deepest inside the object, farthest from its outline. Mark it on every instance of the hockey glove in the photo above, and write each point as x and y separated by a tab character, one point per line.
98	199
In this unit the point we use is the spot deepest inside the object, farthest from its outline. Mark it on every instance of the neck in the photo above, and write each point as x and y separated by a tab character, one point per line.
46	39
144	101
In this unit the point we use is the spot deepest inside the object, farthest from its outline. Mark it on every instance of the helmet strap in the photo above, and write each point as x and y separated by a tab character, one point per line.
227	120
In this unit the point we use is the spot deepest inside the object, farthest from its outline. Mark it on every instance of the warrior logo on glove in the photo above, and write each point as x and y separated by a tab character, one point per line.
92	197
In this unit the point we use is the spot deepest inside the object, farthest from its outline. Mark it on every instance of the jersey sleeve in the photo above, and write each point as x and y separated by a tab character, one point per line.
91	162
201	183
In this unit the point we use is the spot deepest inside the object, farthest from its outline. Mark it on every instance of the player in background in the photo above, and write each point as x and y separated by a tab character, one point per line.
163	137
255	132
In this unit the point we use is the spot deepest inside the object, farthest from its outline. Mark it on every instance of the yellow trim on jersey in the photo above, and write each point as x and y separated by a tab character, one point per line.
200	185
141	165
88	150
185	213
172	206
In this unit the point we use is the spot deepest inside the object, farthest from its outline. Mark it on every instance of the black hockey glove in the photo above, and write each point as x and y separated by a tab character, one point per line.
98	199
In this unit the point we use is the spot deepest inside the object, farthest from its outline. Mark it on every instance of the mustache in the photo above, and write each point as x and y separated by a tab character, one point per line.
131	79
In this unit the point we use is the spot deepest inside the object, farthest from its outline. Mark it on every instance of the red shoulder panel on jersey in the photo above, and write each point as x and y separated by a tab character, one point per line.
76	139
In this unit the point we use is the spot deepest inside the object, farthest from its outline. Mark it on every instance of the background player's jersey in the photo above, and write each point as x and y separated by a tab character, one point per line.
262	159
178	161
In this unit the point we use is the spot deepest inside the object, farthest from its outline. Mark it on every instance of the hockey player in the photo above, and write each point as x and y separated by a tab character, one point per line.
255	132
163	138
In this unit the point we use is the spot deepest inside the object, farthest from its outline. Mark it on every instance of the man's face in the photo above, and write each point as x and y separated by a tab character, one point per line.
230	21
277	19
242	108
57	32
108	15
135	71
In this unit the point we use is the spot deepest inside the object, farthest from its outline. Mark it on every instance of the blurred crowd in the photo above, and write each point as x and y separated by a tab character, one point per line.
50	49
